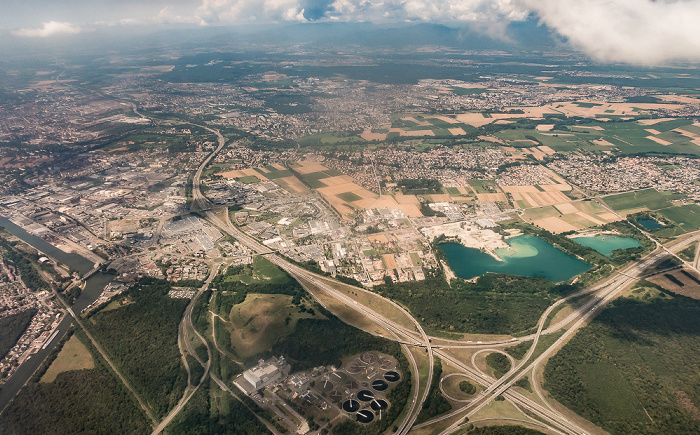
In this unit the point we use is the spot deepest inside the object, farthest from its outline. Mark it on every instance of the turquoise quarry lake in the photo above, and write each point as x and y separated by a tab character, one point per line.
606	243
527	256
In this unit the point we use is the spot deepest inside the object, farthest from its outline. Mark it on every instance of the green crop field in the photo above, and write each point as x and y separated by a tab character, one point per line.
482	186
349	196
649	199
250	179
686	217
274	173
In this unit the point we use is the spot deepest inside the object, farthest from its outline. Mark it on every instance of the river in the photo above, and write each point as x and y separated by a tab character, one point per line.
93	288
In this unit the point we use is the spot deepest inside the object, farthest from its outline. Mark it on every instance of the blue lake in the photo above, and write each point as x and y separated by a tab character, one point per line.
606	243
527	256
649	224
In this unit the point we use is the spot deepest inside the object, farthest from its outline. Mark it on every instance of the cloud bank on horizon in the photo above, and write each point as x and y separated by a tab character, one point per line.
643	32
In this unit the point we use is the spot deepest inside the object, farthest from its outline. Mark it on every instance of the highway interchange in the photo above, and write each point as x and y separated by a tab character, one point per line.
548	417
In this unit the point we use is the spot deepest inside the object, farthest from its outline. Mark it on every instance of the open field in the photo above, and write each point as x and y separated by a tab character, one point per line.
630	202
258	322
73	356
687	277
248	175
686	217
261	271
418	126
569	216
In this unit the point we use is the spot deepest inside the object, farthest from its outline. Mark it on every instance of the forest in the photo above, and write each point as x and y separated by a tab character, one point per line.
78	402
634	369
495	304
141	338
435	404
12	327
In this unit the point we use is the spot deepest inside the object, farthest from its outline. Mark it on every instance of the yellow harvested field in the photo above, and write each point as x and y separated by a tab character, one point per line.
337	181
293	183
602	142
610	217
463	190
457	131
547	150
555	187
654	121
652	131
474	119
248	172
595	127
390	261
566	208
385	201
309	167
591	218
439	197
659	140
415	121
536	153
519	189
491	197
687	133
547	198
346	187
523	196
554	225
415	132
446	119
410	210
545	127
406	199
679	98
408	206
278	166
378	238
369	136
73	356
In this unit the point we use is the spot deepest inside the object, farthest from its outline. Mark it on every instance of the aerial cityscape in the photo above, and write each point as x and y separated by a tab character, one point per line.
350	217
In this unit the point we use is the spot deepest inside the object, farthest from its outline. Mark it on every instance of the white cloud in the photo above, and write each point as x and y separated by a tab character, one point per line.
50	28
632	31
445	11
241	11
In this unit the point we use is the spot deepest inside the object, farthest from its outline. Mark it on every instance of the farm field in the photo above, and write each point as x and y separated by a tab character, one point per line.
687	217
73	356
419	126
341	191
684	282
632	202
568	216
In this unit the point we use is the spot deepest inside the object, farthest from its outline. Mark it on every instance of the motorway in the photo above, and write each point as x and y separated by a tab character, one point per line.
606	291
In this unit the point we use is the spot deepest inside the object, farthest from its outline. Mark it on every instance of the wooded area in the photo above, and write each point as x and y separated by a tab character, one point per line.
634	369
141	338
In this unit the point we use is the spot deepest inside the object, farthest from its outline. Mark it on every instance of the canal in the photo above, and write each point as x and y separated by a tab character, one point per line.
93	288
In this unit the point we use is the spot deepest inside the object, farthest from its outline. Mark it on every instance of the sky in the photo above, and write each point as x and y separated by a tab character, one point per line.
643	32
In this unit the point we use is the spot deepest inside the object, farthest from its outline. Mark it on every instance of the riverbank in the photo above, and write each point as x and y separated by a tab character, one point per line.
58	241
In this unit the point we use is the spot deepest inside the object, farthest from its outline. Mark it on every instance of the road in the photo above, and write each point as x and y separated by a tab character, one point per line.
183	337
607	291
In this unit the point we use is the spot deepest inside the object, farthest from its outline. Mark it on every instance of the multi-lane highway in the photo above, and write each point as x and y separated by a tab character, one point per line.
601	294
